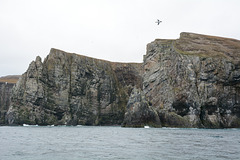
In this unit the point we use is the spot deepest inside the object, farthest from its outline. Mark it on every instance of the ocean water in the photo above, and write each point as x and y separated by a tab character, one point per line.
92	143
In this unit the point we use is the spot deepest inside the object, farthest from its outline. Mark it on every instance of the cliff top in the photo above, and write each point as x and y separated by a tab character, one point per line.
205	45
208	46
57	51
10	79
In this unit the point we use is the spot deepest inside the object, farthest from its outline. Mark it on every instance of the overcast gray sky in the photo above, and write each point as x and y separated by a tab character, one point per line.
115	30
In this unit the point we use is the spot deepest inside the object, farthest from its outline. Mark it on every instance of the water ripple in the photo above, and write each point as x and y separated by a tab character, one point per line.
59	143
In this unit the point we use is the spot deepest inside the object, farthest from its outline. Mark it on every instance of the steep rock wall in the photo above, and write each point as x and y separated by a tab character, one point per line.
71	89
194	81
5	96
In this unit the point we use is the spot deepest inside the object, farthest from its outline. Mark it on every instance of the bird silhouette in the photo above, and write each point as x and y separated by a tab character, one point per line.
158	22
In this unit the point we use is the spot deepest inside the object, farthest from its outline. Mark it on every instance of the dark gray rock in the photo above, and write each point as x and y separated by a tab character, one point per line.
5	97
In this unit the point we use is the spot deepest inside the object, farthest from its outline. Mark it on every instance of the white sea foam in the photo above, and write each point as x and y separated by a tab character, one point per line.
27	125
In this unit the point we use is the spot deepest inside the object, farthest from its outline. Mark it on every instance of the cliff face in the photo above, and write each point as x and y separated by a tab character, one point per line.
6	85
72	89
194	81
5	94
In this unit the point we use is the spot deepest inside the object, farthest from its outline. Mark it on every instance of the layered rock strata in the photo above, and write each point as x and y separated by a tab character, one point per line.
194	81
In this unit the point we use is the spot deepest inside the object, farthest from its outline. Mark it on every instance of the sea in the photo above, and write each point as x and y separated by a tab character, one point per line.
104	142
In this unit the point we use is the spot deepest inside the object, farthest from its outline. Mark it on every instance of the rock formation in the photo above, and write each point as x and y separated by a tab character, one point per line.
139	112
74	90
193	81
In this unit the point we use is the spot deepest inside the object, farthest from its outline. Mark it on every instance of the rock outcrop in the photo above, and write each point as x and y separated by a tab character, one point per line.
74	90
194	81
139	112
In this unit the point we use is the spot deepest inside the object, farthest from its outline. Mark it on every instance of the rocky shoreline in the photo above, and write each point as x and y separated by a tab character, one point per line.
193	81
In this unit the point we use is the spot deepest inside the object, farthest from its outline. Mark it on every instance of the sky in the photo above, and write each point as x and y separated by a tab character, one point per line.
114	30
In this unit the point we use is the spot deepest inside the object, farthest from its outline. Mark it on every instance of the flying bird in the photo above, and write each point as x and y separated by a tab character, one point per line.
158	22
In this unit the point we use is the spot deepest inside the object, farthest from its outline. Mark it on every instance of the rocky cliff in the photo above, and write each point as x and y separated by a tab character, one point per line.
5	95
72	89
6	85
194	81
